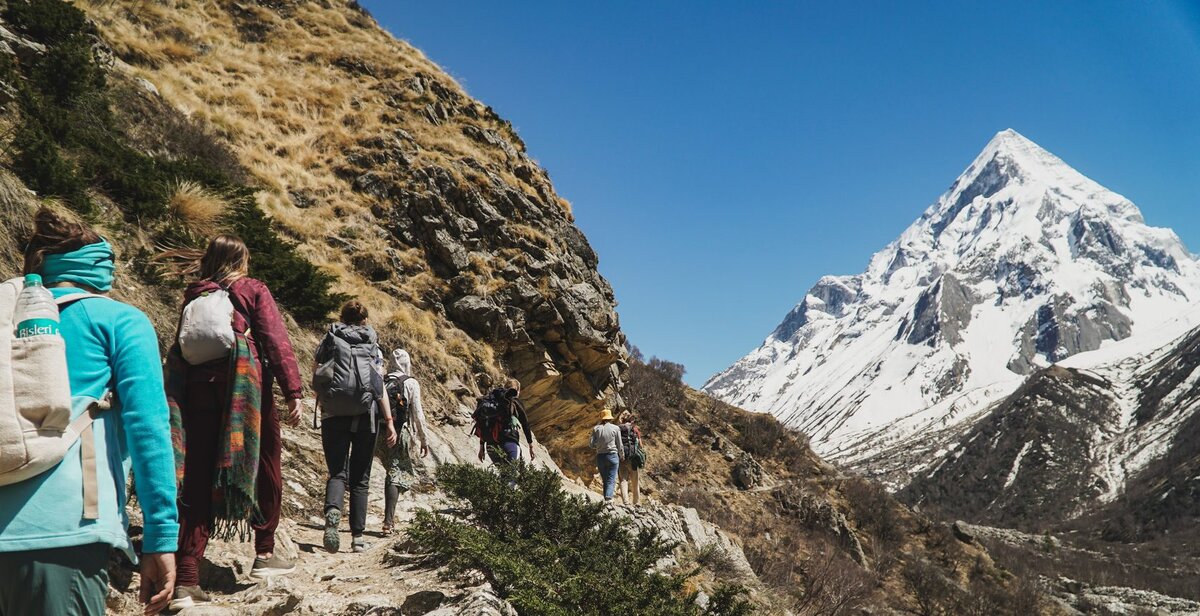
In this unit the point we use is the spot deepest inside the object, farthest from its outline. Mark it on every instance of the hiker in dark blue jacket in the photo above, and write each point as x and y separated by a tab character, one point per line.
501	440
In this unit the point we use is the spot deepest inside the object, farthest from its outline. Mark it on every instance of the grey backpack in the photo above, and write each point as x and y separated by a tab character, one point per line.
345	379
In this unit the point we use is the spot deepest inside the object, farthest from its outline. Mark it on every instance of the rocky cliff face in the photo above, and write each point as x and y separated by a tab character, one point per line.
420	199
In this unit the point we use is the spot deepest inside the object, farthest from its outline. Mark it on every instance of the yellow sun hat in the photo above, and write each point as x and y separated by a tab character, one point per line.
606	414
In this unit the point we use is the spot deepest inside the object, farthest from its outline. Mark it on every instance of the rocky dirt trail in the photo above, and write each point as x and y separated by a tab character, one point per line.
386	580
383	581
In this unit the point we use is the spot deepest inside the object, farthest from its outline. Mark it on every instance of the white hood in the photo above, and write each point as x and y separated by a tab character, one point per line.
402	361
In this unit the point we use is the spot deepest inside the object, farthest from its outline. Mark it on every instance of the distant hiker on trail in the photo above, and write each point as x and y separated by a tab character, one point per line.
231	346
404	397
348	379
606	440
62	510
499	420
635	457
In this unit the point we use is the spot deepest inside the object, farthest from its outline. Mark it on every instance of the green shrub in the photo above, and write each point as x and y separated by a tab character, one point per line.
38	161
295	282
47	22
551	553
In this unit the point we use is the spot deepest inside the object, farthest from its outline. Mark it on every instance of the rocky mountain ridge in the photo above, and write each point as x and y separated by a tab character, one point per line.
1108	437
1022	263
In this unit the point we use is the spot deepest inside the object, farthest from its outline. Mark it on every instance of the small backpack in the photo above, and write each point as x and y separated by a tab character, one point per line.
494	419
36	428
206	327
345	379
633	446
395	391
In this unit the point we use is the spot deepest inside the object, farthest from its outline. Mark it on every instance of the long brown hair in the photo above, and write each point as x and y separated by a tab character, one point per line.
54	234
227	259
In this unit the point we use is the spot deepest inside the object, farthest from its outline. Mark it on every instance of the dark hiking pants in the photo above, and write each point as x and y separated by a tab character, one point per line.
349	444
207	398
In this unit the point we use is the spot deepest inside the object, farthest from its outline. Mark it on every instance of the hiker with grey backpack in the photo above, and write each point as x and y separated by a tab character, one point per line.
348	380
84	406
408	418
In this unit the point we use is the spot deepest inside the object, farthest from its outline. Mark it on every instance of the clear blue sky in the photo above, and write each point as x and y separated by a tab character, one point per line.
723	156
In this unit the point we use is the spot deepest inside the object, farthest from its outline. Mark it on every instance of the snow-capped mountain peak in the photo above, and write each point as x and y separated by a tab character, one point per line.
1022	262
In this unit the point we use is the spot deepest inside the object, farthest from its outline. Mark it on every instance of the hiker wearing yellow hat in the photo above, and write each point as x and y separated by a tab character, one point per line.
606	440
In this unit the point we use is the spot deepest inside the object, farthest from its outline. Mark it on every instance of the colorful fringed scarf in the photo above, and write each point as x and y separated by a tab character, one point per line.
233	490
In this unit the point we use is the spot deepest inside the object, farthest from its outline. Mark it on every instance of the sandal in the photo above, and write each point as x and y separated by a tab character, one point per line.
388	529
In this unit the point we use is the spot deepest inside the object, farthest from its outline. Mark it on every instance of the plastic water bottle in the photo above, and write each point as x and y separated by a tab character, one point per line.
37	314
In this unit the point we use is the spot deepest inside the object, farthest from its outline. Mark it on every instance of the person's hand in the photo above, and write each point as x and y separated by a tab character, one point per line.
481	452
158	581
294	407
532	454
392	437
425	450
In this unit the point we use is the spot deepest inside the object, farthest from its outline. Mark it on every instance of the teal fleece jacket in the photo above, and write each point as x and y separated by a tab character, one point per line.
110	345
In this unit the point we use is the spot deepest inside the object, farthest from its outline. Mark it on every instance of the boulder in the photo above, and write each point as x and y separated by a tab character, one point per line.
476	315
423	602
747	472
962	531
683	525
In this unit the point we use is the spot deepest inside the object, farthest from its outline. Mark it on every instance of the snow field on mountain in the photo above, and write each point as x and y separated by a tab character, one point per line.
1023	262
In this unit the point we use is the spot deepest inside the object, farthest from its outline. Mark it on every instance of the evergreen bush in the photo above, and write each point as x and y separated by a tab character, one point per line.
553	554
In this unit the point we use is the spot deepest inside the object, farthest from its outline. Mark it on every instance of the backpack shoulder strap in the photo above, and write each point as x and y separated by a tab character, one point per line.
81	428
391	379
238	307
71	298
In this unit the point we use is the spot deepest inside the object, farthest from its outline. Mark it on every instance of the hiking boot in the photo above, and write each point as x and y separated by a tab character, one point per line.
188	596
270	567
359	545
333	517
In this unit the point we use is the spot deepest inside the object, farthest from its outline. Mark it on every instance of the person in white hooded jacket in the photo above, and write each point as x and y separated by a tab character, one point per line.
404	393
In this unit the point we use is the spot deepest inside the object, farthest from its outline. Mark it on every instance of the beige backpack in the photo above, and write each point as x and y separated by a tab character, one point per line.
36	429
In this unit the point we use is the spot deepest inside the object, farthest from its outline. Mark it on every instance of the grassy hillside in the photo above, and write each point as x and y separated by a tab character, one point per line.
389	178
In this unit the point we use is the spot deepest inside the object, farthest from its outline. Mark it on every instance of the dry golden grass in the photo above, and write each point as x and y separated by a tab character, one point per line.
197	207
291	111
537	236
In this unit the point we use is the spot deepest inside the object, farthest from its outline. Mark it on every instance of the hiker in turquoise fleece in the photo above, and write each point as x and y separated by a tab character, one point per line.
52	561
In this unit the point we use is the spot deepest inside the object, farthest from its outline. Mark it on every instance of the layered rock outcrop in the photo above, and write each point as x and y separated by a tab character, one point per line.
544	308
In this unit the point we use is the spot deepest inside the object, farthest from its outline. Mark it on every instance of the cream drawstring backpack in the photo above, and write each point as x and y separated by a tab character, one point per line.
36	427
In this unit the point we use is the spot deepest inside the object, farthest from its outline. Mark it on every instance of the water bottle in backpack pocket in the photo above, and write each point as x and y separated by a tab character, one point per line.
36	427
